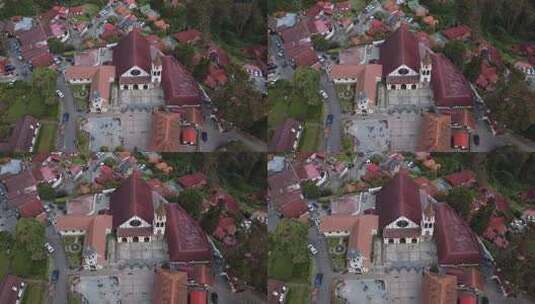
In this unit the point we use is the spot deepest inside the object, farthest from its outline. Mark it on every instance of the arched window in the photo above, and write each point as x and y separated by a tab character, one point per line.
403	86
146	239
136	239
402	241
136	87
123	240
414	87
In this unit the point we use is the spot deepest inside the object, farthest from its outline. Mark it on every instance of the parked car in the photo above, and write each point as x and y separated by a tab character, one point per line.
330	119
476	139
318	280
49	248
312	249
214	298
324	94
60	93
55	275
65	117
204	136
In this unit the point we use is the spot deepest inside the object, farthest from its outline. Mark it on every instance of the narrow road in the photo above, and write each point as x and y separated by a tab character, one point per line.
67	140
323	265
333	142
58	294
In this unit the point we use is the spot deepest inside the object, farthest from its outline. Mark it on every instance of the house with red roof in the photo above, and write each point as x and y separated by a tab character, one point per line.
165	132
496	230
464	178
190	36
461	32
225	231
285	194
216	77
12	289
138	212
23	137
222	198
406	214
488	77
286	136
193	181
170	287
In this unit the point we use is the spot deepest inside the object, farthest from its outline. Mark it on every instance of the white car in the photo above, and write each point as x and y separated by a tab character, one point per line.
312	249
49	248
60	93
324	94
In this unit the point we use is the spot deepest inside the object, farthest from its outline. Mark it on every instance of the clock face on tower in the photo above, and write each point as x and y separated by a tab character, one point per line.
135	72
135	223
402	223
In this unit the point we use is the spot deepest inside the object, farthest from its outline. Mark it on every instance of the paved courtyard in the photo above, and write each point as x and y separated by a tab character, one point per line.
404	285
145	253
404	127
371	135
419	255
104	131
136	128
422	97
359	291
141	99
99	289
136	285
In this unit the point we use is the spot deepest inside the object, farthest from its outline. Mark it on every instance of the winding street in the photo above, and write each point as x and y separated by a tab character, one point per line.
66	141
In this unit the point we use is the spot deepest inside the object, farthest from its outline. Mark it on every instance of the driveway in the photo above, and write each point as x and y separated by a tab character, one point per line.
284	68
333	142
59	291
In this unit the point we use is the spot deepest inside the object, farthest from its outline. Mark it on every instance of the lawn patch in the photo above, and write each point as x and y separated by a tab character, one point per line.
34	293
311	136
47	137
298	293
4	263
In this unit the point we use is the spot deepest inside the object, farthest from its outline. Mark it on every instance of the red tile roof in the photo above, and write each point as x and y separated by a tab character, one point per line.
188	36
195	180
186	240
132	198
435	133
439	289
467	298
32	208
457	32
399	197
225	199
165	132
7	294
132	50
170	287
180	88
302	53
400	48
23	134
462	178
463	118
456	243
294	209
284	136
450	87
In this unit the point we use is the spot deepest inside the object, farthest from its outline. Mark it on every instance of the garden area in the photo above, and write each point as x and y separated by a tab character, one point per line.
73	248
80	93
337	248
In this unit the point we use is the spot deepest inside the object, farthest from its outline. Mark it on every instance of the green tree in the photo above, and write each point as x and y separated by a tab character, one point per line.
481	218
210	219
44	85
461	199
289	258
55	46
307	81
184	53
191	201
455	51
46	192
310	190
6	240
320	43
30	236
